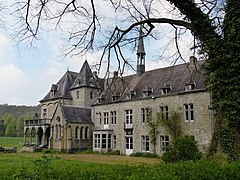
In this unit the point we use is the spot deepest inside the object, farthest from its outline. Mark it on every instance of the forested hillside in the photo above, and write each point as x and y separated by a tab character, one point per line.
12	118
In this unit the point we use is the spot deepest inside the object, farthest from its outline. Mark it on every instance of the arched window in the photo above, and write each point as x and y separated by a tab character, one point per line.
60	130
76	132
58	118
86	133
81	133
56	131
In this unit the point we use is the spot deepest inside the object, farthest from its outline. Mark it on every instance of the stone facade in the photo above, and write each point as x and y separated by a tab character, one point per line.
82	111
65	122
200	127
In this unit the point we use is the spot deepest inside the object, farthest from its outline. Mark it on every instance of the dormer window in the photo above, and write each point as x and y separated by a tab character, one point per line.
78	81
91	81
54	89
147	91
190	86
115	96
131	94
101	99
166	89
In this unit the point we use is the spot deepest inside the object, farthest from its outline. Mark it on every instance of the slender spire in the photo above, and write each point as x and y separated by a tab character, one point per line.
141	49
140	54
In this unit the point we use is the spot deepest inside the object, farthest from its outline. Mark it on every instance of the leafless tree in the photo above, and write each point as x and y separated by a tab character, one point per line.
87	26
214	25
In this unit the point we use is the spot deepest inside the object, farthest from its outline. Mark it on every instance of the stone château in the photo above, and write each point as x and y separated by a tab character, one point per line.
82	111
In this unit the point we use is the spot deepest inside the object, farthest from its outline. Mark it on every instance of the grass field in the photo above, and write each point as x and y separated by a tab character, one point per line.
51	166
61	166
10	142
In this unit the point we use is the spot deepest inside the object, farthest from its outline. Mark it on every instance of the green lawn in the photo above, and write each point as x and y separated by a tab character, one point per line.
97	166
51	167
10	142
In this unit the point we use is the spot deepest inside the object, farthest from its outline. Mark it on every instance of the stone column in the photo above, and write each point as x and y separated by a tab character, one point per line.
43	139
30	138
24	136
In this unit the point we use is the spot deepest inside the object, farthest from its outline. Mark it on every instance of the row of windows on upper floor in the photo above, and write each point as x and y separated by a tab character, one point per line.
109	141
103	117
148	91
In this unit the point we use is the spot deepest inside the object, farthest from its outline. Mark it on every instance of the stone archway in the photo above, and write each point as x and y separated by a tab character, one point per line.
27	137
47	136
39	136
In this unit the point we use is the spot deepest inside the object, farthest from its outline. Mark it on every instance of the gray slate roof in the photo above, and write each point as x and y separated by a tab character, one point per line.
85	78
72	80
74	114
62	87
176	76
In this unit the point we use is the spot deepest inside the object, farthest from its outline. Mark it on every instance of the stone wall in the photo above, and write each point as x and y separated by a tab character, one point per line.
200	128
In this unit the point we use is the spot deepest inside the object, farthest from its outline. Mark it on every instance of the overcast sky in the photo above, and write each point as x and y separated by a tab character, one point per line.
26	74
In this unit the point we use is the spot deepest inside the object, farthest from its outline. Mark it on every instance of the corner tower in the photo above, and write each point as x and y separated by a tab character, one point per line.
86	87
140	54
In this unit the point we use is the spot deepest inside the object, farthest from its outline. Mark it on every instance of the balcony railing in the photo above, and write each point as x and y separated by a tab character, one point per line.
37	122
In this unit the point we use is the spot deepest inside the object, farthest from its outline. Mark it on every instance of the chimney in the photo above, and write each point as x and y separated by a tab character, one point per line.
95	74
115	74
192	64
193	61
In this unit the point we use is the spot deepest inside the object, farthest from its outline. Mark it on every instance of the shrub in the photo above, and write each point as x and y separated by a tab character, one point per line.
50	151
114	152
88	151
183	148
143	154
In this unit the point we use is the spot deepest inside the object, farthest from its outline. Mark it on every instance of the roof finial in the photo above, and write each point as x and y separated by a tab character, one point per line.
85	56
140	53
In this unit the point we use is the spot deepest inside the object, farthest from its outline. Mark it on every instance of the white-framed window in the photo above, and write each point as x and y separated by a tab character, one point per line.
145	144
164	112
109	141
105	118
114	142
144	114
129	142
164	142
98	118
128	116
97	141
104	141
113	117
188	112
